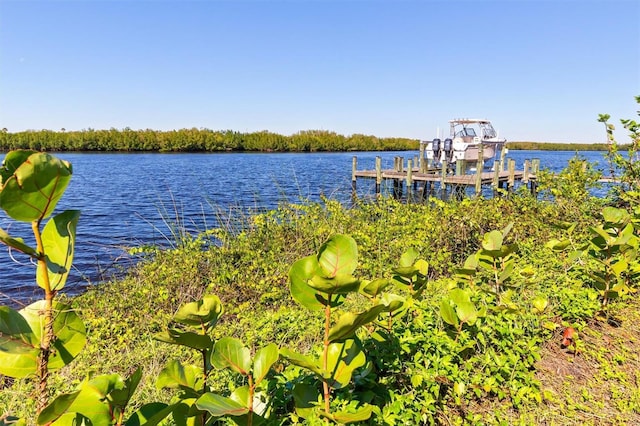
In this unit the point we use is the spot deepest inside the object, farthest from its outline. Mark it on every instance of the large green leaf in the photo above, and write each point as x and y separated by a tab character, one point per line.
306	398
149	414
185	338
299	274
11	162
70	332
218	405
58	240
34	188
177	376
409	257
447	312
345	417
467	312
263	360
615	215
375	287
16	243
338	256
229	352
339	284
492	241
18	353
342	359
121	397
205	311
92	400
56	408
301	361
348	323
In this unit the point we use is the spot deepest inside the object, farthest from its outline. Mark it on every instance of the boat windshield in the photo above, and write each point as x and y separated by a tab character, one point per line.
466	131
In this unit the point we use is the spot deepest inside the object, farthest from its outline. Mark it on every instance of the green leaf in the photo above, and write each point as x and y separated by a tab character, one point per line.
447	313
149	414
185	338
19	346
615	215
121	397
375	287
458	295
177	376
492	241
339	284
34	187
305	397
56	408
540	304
467	313
205	311
229	352
263	360
338	256
348	323
342	359
299	274
301	361
16	243
409	257
92	400
361	414
58	239
11	162
422	266
218	405
71	335
557	245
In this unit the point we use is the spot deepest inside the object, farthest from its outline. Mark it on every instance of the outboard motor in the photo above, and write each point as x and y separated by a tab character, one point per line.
448	149
435	147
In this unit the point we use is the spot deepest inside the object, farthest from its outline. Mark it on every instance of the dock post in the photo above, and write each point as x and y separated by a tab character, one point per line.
478	180
354	167
443	185
461	167
512	173
495	182
525	172
421	162
535	168
409	180
378	175
503	152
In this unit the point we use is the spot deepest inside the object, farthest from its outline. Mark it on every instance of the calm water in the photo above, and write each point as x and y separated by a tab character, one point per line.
129	199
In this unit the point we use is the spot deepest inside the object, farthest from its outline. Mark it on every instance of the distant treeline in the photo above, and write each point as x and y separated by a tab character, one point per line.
197	140
552	146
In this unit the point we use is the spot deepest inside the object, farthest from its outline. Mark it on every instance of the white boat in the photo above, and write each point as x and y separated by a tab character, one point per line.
467	135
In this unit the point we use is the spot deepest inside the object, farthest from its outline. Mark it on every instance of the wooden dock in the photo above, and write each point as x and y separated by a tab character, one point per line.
416	172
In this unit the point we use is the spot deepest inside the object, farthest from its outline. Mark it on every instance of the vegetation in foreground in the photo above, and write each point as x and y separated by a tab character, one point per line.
503	311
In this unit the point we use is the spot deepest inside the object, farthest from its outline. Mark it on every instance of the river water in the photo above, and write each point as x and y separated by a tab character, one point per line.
134	199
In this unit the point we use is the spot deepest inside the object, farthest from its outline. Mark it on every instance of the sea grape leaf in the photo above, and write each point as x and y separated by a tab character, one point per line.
306	398
492	241
19	346
121	397
56	408
299	274
361	414
11	162
301	361
185	338
447	313
229	352
205	311
467	312
338	256
349	322
263	360
342	359
373	288
34	188
409	257
339	284
218	405
177	376
58	239
615	215
149	414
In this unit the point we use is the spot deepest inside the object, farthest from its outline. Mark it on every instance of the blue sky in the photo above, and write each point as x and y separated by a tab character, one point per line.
540	70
